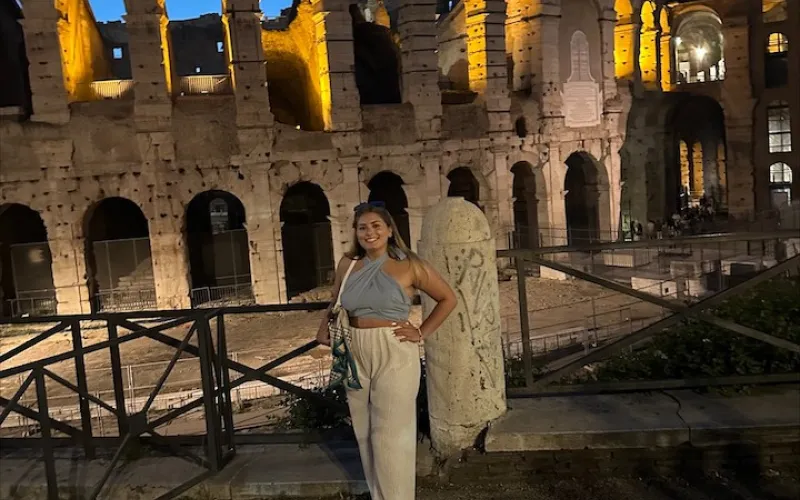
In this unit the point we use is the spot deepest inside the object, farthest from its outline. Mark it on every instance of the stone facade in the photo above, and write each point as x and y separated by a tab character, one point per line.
521	107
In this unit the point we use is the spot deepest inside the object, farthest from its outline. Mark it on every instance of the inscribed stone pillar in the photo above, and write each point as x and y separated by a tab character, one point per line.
464	357
44	55
341	104
151	63
416	23
248	72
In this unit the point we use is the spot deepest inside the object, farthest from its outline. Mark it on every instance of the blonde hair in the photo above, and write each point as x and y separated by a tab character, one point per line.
398	250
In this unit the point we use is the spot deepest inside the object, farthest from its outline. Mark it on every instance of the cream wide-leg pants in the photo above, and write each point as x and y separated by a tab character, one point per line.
384	411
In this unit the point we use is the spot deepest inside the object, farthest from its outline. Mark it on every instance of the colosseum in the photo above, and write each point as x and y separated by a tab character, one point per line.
155	164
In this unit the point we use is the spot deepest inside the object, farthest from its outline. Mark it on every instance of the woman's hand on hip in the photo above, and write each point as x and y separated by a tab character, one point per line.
406	332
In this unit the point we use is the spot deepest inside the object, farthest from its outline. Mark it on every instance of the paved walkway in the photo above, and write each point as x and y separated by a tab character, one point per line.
556	423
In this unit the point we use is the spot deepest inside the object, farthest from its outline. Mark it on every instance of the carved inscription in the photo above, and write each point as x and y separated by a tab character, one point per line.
581	100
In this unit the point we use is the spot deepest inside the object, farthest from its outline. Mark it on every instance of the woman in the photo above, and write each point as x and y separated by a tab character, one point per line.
380	276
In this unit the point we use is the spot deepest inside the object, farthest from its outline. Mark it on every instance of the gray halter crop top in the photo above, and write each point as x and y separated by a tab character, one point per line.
371	293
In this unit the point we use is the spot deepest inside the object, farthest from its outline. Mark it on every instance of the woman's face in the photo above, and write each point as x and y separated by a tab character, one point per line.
372	232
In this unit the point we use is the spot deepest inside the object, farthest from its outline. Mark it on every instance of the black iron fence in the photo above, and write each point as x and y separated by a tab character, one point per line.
224	295
670	281
125	300
200	335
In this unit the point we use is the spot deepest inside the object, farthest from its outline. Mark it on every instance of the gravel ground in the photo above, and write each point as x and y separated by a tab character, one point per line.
778	486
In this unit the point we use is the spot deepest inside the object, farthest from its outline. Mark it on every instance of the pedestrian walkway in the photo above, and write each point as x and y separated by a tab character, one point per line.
609	422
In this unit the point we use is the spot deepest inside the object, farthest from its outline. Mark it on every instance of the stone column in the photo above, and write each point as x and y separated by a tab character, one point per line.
170	260
636	39
248	72
43	47
464	358
665	50
608	19
486	51
151	63
545	67
415	221
737	104
420	80
341	104
69	268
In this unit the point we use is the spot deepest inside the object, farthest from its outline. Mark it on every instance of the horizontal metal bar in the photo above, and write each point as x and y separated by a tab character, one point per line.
667	242
674	305
652	385
169	313
647	332
73	432
94	347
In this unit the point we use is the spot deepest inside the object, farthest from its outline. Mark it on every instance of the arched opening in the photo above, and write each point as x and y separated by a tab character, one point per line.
388	188
26	275
118	261
698	45
306	233
582	199
15	85
776	62
780	184
292	97
377	61
520	127
219	254
774	11
526	217
696	176
464	184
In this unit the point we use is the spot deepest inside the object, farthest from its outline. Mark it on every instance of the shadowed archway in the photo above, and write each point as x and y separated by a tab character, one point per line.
526	215
582	186
118	261
26	275
464	184
219	255
306	234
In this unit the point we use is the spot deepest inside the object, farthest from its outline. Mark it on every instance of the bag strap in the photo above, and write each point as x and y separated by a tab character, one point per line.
341	287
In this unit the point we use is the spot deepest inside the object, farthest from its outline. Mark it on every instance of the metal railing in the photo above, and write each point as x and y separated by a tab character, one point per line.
105	90
223	295
122	299
201	335
34	303
205	84
755	269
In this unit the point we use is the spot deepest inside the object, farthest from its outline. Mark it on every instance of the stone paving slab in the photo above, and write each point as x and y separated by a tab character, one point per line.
644	420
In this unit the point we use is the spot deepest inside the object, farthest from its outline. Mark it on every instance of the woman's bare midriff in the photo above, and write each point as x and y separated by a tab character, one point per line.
374	323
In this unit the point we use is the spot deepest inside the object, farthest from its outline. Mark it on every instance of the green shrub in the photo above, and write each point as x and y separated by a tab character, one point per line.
697	349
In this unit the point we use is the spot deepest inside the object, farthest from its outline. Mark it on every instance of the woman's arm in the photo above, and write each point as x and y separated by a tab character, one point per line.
432	284
323	335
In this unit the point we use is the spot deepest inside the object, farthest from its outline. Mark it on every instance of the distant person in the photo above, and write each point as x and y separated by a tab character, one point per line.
380	364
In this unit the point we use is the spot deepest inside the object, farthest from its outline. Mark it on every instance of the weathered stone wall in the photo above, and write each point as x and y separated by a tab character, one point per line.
160	151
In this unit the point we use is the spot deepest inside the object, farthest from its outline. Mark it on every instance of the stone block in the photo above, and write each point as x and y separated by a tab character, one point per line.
629	258
658	287
692	268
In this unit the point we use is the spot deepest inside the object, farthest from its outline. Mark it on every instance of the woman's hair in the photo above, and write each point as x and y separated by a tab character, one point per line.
398	250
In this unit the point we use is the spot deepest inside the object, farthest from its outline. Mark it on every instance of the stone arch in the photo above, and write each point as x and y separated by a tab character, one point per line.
118	259
293	95
528	209
377	61
698	47
388	187
586	202
219	254
698	122
15	86
306	235
26	275
463	183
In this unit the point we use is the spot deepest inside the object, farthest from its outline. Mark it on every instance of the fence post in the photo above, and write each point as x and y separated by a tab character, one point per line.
116	377
83	402
46	442
524	321
207	373
224	381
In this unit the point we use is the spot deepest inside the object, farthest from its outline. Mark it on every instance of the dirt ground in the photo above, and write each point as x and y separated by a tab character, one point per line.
254	339
773	486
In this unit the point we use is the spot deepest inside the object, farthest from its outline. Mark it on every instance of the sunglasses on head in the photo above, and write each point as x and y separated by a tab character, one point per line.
376	204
